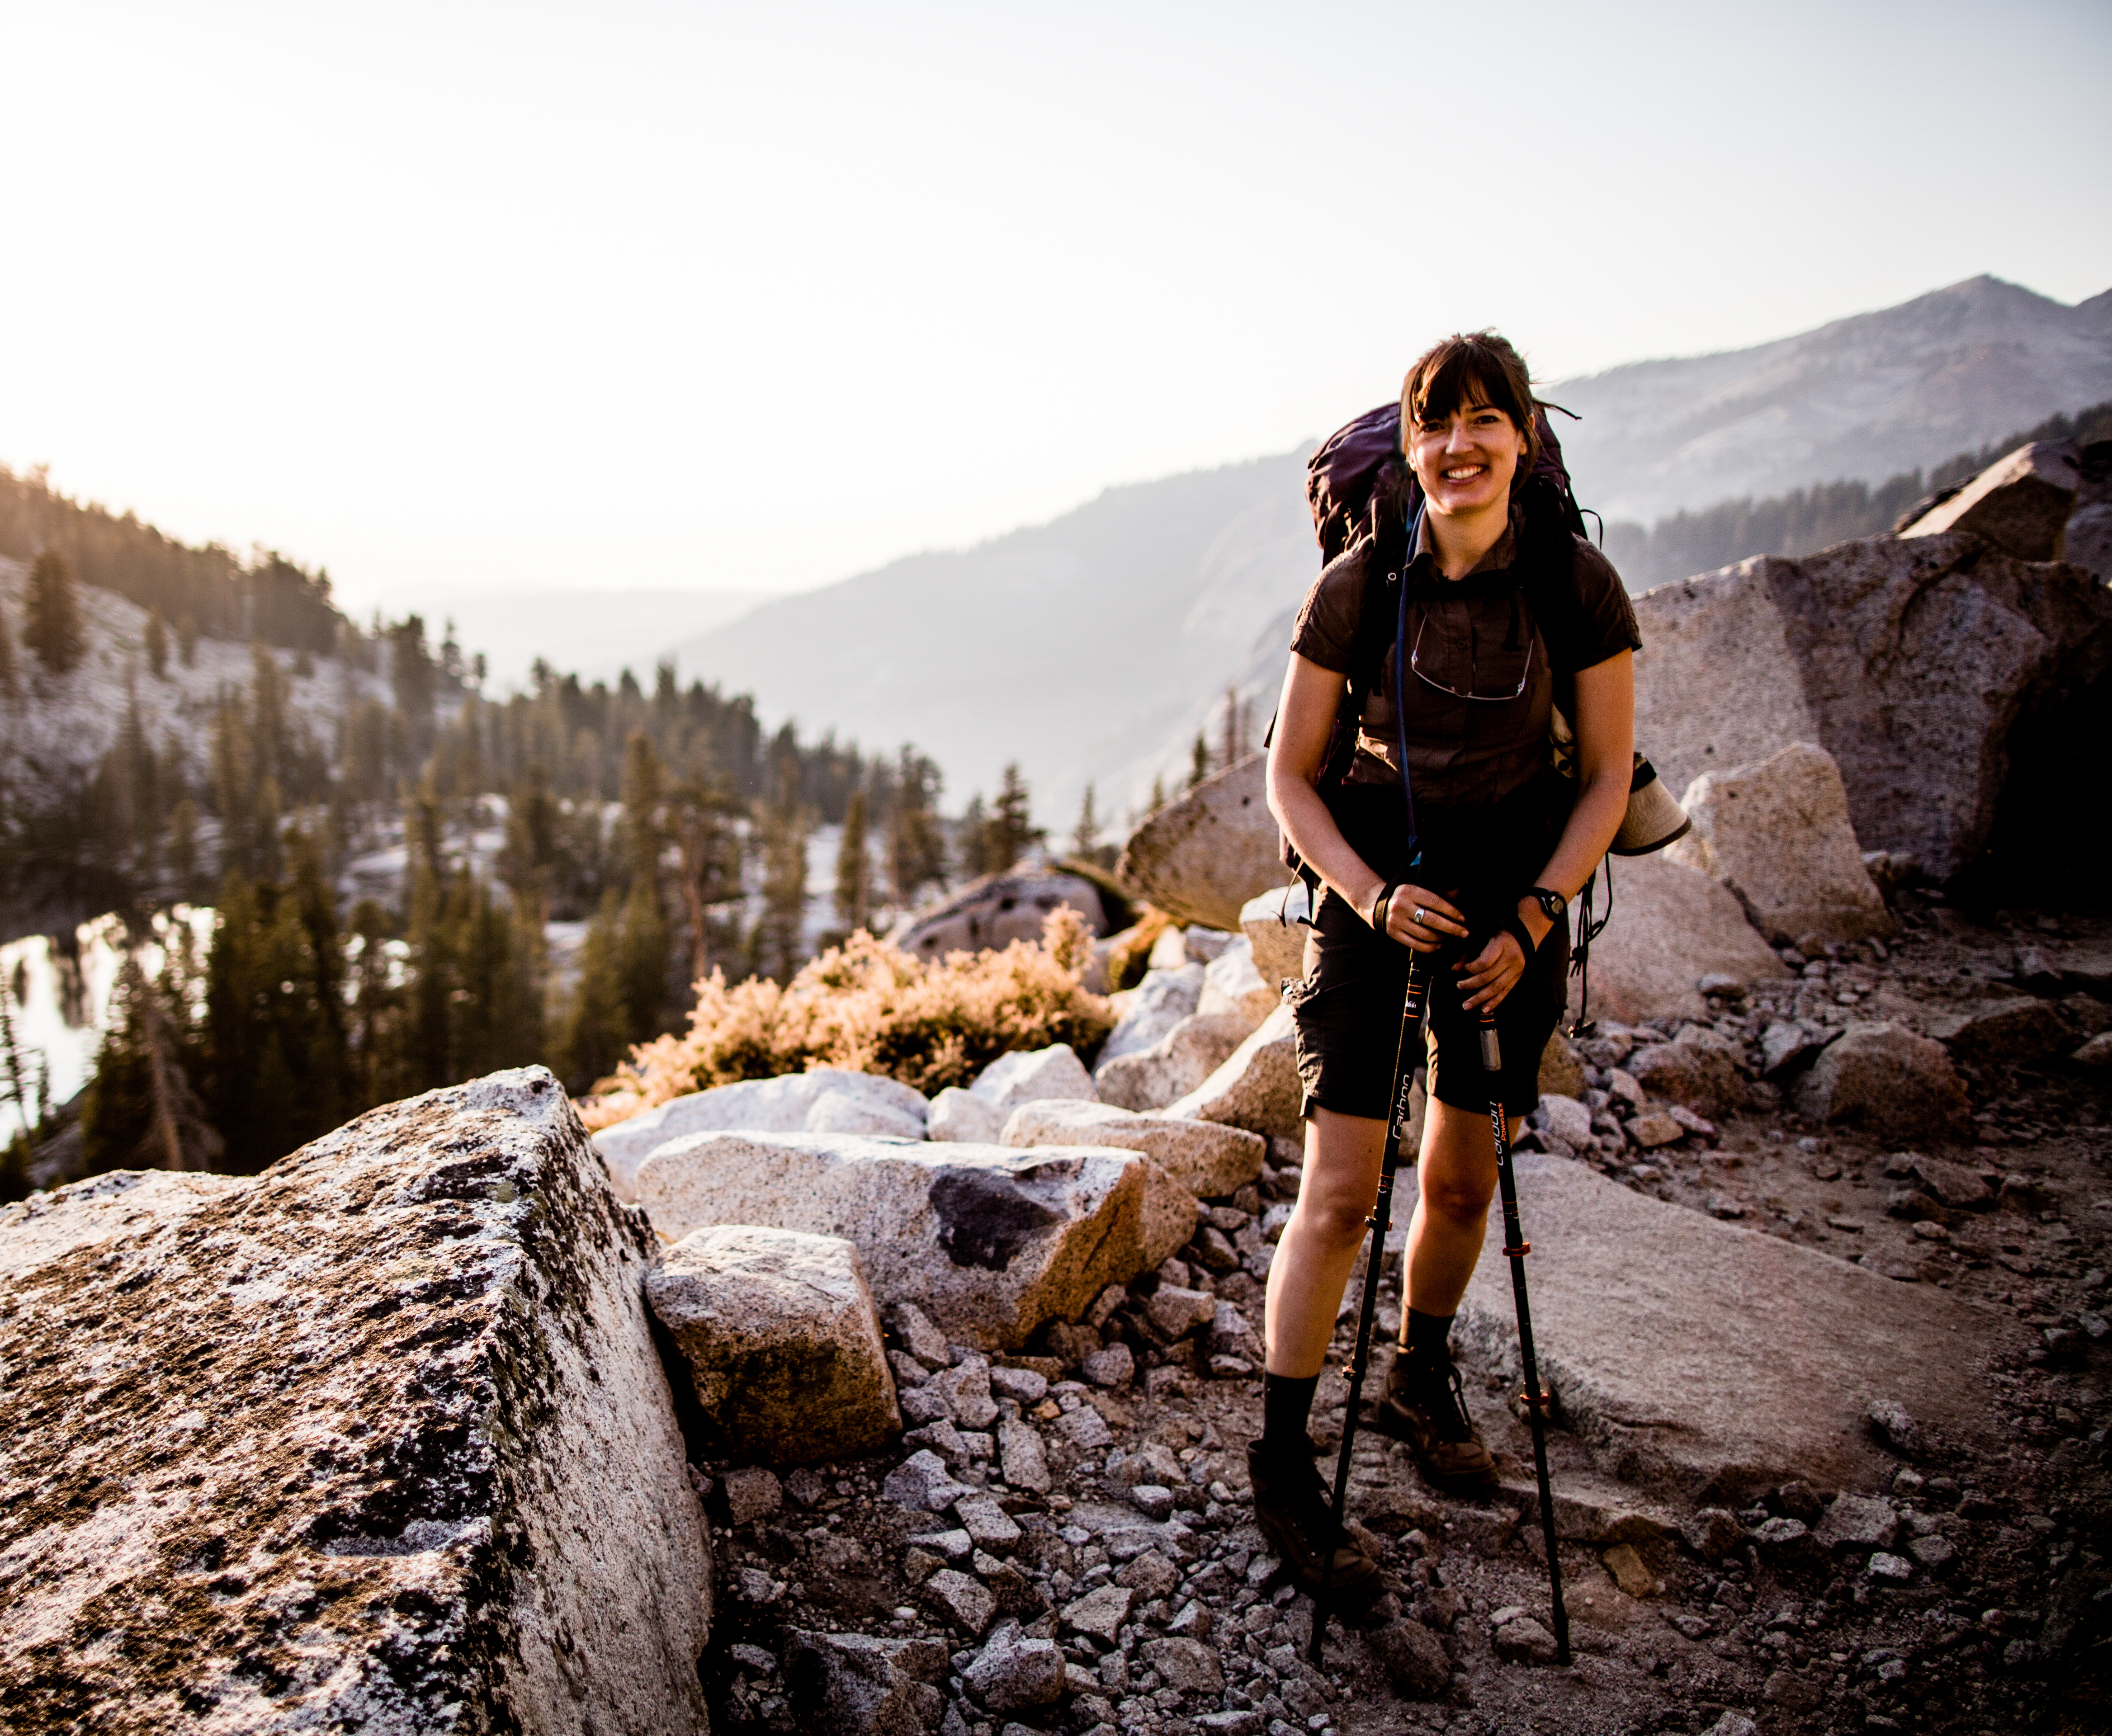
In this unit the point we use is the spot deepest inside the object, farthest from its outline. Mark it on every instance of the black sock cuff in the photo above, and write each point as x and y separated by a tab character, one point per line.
1429	1333
1286	1402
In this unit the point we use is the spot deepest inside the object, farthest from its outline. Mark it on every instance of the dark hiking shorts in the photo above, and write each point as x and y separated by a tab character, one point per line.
1348	1004
1347	1011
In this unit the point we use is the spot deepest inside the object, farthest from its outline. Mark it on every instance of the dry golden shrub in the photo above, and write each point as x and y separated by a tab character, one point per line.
870	1006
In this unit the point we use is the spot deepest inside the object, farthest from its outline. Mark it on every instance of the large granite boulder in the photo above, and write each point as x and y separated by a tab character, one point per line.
1028	1075
1644	1318
825	1100
1884	1078
1207	1158
1671	926
375	1441
1202	857
990	913
1174	1065
1155	1006
1258	1087
2020	503
1924	666
783	1342
1777	834
989	1242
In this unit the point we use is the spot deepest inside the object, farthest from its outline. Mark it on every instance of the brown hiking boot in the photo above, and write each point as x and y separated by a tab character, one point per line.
1425	1407
1296	1514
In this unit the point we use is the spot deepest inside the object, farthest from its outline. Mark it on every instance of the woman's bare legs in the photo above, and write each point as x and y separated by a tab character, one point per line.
1456	1177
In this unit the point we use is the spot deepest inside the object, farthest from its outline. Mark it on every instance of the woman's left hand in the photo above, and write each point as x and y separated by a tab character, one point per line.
1485	980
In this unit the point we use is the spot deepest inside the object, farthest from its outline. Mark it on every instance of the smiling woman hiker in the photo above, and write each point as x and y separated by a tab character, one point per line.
1506	614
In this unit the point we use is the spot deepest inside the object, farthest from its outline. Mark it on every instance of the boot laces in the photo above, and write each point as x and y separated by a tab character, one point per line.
1434	1388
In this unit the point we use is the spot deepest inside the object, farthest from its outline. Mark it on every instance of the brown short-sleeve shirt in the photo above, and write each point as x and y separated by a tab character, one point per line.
1483	671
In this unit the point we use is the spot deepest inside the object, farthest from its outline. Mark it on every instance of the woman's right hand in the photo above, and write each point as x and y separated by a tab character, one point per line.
1421	919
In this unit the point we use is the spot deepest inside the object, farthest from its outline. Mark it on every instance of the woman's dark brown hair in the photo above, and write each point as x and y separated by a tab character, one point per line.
1469	368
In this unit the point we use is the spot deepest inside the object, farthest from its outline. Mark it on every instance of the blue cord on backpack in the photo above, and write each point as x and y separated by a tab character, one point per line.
1400	690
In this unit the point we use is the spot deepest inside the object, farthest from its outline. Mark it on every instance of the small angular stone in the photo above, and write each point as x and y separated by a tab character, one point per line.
986	1522
1152	1500
1022	1456
1897	1569
1186	1665
965	1602
752	1493
1859	1522
1115	1366
1100	1613
1521	1640
922	1482
1897	1428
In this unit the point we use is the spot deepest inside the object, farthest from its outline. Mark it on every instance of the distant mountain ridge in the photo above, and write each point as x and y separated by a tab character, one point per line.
1094	647
1861	398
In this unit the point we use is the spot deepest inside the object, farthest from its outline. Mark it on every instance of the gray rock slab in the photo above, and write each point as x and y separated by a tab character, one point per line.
829	1100
988	1241
782	1339
1234	984
992	912
1702	1361
372	1436
1029	1075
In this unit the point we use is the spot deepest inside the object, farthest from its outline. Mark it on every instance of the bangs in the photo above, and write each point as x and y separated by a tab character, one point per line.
1460	380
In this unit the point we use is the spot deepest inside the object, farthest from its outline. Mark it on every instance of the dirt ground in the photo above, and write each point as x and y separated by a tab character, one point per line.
1989	1610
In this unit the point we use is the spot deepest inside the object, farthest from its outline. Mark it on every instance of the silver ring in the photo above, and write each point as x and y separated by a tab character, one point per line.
1416	919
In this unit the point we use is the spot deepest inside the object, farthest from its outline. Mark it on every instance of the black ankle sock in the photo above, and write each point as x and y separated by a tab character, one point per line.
1429	1335
1286	1401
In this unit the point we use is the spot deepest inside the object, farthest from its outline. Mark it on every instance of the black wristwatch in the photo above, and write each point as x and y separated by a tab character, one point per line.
1553	905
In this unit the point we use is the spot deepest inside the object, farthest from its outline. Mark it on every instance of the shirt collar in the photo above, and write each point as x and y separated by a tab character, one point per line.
1503	553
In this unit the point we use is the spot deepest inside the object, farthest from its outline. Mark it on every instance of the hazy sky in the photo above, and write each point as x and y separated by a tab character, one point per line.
757	296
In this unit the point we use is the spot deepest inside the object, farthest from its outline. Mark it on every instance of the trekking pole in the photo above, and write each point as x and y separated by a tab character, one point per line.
1516	1247
1382	1215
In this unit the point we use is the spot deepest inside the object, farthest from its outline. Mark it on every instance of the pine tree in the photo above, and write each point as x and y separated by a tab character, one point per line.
1199	761
596	1029
1158	795
853	867
701	812
157	645
53	629
1085	835
1235	743
183	850
779	938
642	958
1011	830
915	848
187	639
139	1110
428	981
975	840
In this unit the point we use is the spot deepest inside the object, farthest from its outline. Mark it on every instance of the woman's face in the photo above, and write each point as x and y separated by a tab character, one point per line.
1465	461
